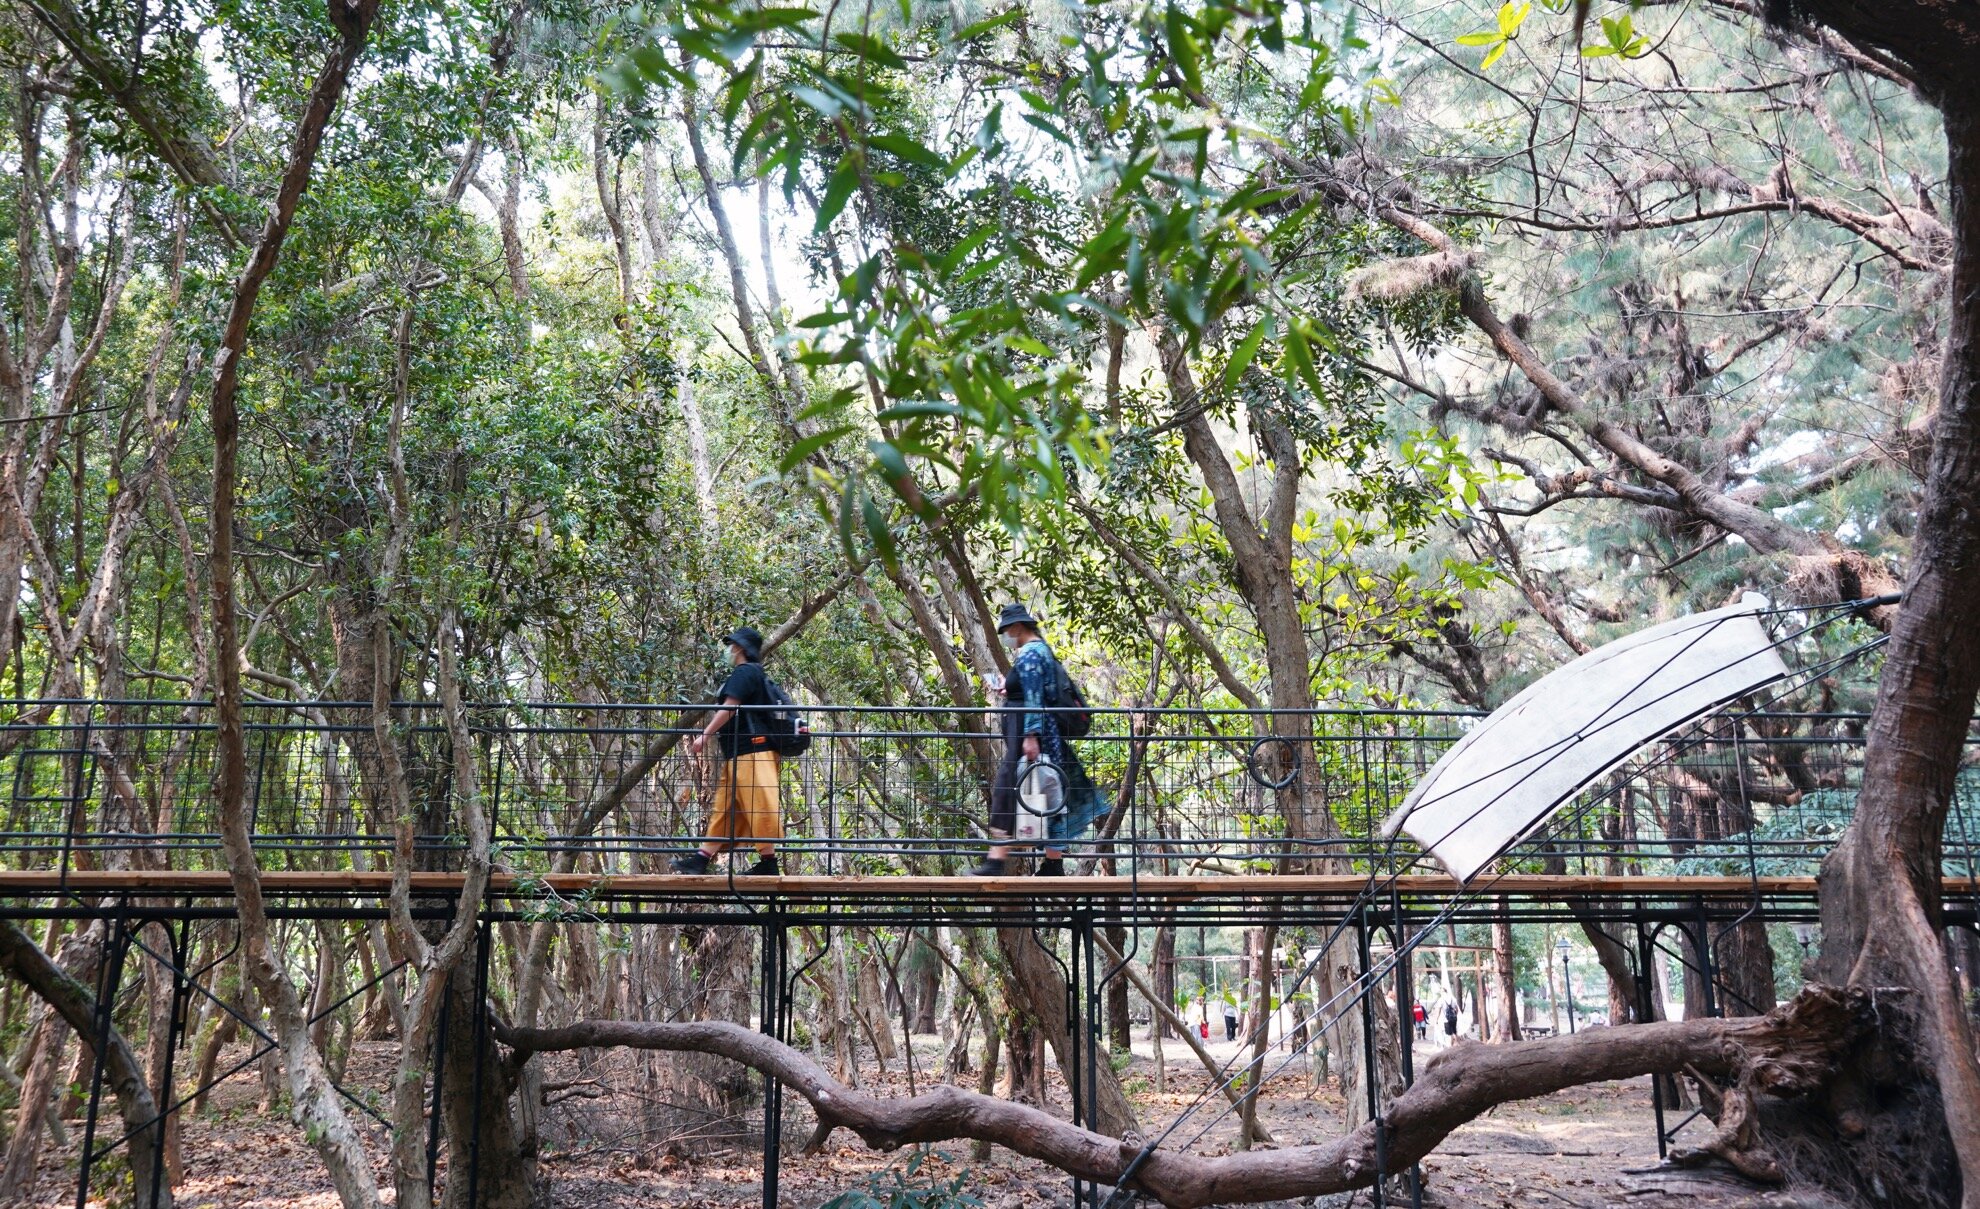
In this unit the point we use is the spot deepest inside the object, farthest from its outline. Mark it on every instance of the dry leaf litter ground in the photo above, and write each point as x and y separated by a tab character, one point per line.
1583	1148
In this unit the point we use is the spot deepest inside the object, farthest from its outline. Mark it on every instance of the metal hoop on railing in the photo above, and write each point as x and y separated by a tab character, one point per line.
1256	768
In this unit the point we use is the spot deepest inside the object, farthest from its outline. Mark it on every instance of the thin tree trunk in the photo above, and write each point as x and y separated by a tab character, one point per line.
1037	988
37	1095
1162	977
317	1104
1505	971
1120	1028
158	994
1211	1066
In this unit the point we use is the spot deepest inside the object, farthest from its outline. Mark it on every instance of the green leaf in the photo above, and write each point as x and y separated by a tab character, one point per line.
824	103
908	149
962	251
893	466
1301	355
871	48
969	33
845	178
802	450
848	502
1241	355
1490	37
1182	46
883	537
1049	128
1492	56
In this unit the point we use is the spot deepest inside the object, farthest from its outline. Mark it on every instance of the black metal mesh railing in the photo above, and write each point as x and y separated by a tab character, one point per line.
612	788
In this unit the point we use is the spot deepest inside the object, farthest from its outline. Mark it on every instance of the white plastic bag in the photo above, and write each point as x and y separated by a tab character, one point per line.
1041	798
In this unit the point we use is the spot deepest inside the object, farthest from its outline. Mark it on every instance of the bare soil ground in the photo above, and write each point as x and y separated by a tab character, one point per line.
1576	1149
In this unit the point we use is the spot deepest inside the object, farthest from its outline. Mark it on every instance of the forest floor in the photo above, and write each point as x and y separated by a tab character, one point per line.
1576	1149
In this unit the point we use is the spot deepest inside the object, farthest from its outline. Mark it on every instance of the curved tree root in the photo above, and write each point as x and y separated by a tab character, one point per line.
1789	1052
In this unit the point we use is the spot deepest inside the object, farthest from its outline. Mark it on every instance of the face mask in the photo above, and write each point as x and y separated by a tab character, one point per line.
1010	640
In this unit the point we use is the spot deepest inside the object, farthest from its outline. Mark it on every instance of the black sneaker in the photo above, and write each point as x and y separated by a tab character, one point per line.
1053	867
990	867
765	866
690	862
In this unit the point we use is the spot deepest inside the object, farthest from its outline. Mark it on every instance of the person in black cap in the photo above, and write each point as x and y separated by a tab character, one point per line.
1031	732
746	806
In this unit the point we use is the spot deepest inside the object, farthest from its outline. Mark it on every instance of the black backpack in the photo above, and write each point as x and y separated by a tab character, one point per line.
1077	721
785	727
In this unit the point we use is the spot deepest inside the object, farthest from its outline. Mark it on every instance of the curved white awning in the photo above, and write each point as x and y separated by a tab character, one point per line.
1538	750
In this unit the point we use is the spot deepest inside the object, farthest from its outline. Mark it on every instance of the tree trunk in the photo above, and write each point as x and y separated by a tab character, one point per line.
1262	566
317	1106
720	1097
1024	1061
870	1001
226	1027
924	984
1355	1041
37	1091
1037	989
1909	1106
1506	973
475	1091
1790	1054
1120	1025
1162	974
1263	968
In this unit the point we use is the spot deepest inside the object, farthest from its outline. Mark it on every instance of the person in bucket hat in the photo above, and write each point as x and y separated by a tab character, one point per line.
1031	733
747	810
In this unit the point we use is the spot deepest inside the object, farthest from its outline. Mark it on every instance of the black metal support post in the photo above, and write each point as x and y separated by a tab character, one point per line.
109	978
483	942
1708	976
1371	1071
1405	1018
1094	1026
1646	999
175	1030
773	1020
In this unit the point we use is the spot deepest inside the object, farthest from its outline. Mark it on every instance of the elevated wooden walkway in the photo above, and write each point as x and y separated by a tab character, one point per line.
19	884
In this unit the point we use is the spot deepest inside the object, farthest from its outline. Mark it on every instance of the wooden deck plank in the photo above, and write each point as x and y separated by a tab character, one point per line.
1547	887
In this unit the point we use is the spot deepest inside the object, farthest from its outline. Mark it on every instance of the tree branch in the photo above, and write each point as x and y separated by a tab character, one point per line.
1789	1052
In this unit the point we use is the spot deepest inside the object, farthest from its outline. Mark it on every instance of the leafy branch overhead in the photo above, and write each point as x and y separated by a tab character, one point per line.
969	360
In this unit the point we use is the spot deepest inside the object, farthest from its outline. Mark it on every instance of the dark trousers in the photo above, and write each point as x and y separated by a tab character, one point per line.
1003	786
1230	1028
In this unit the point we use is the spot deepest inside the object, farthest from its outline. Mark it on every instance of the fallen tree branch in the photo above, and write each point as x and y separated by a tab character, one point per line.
22	959
1788	1052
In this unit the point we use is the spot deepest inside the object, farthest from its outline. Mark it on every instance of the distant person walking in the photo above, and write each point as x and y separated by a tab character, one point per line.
1032	732
1422	1020
1450	1022
746	807
1230	1020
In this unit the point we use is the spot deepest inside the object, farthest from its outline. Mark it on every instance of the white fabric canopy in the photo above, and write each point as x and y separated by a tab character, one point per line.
1538	750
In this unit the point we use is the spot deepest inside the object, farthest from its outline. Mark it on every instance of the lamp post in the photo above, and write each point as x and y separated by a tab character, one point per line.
1562	947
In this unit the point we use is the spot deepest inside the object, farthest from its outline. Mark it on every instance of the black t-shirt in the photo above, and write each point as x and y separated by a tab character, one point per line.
748	685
